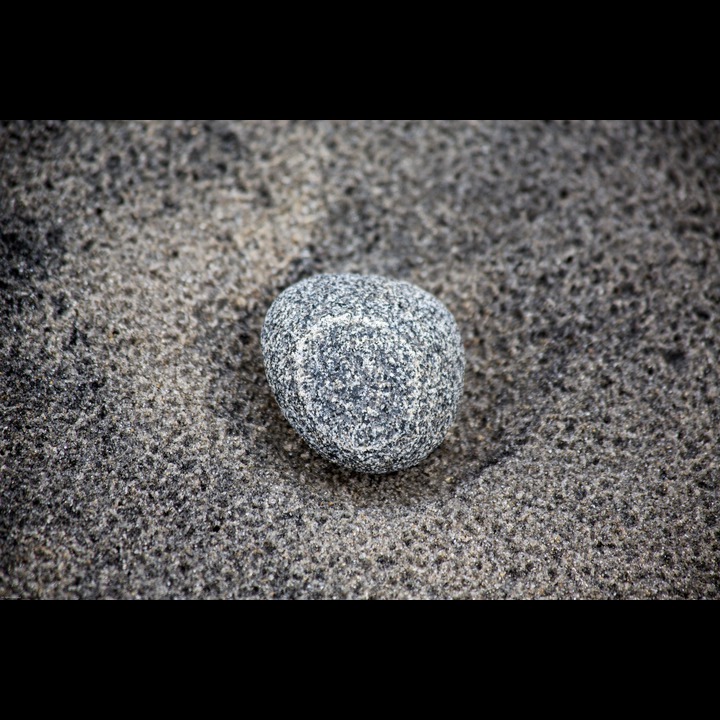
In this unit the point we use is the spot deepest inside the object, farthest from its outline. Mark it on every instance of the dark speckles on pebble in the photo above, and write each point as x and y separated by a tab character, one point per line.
367	369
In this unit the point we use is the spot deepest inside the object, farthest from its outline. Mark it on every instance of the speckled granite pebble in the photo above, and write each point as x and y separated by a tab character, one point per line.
368	370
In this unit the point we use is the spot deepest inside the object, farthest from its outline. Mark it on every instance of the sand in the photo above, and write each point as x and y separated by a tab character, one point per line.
142	454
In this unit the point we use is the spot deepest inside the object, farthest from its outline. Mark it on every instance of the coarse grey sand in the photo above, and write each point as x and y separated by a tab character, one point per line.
143	454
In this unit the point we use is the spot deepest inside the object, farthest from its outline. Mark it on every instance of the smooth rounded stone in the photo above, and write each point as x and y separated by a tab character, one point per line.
368	370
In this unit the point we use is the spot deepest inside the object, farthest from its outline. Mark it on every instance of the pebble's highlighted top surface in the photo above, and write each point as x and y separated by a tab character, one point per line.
368	370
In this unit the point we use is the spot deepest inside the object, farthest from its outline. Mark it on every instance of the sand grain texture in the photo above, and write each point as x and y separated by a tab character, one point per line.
142	454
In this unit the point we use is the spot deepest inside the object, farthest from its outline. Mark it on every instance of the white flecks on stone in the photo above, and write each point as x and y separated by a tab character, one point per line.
368	370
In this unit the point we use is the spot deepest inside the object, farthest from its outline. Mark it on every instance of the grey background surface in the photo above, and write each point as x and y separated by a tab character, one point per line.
142	454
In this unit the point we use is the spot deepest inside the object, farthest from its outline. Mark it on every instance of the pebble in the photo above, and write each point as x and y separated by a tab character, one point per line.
368	370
